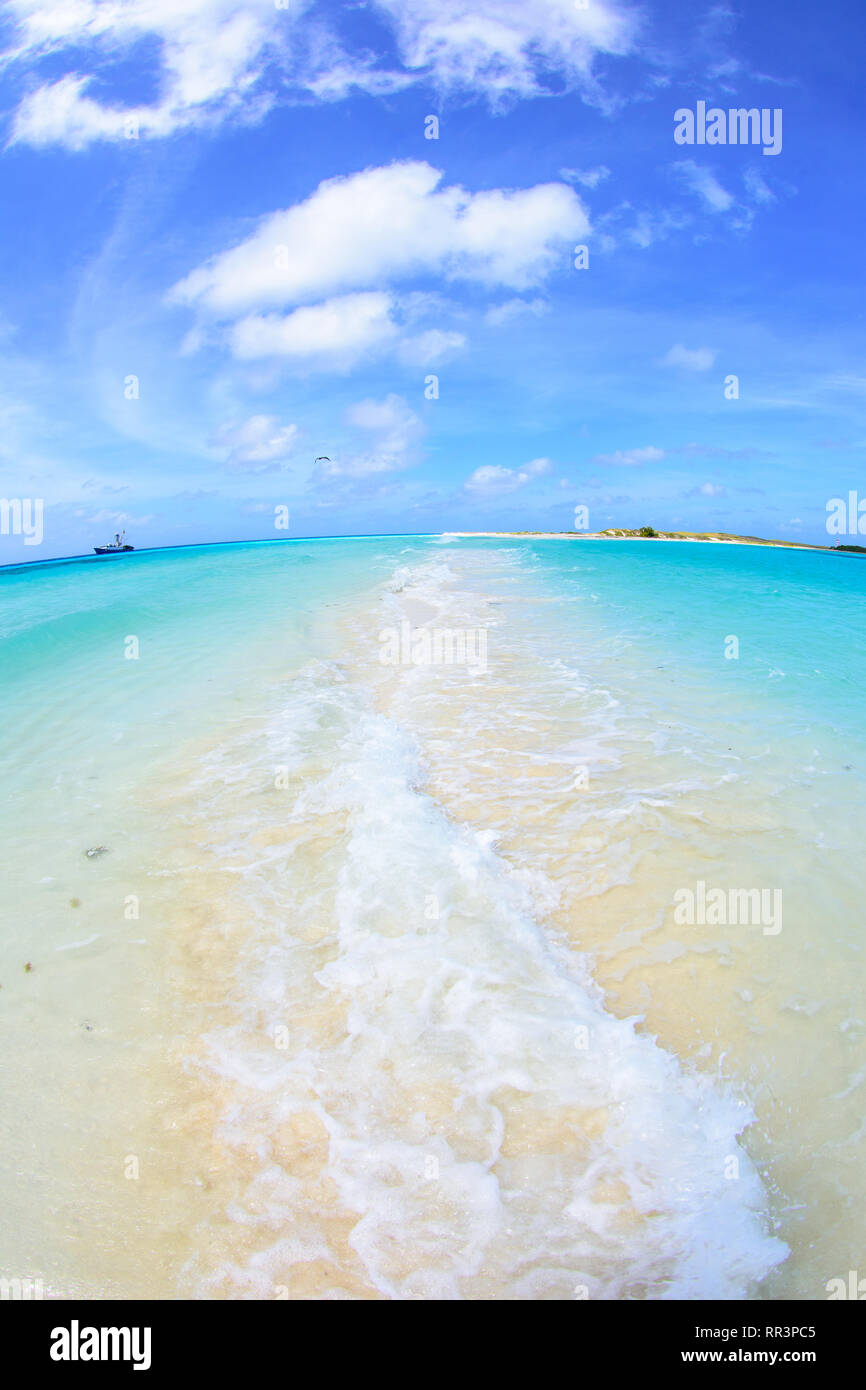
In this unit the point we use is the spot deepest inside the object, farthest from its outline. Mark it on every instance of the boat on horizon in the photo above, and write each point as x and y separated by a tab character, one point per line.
115	547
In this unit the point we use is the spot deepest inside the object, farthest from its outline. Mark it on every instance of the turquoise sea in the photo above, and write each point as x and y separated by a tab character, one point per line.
469	918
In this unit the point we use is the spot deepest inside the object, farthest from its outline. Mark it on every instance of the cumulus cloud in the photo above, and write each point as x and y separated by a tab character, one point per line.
328	261
493	478
358	231
692	359
629	458
256	445
338	333
334	334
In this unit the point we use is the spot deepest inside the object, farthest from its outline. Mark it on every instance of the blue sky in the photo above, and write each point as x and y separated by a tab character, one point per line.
233	209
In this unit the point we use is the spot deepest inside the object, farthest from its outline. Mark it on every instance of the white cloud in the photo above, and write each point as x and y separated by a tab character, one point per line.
100	485
703	181
117	519
513	308
630	458
493	478
707	490
340	74
256	445
58	113
508	48
390	434
334	334
354	235
640	226
692	359
211	55
358	231
758	186
587	178
337	334
650	227
431	347
215	60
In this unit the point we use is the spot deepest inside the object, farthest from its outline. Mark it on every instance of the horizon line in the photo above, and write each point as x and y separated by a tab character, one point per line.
30	565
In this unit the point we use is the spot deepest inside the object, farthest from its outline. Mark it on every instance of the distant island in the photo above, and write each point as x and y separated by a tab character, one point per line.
648	533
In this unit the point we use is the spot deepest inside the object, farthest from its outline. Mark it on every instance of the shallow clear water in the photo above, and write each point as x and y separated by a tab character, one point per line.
380	987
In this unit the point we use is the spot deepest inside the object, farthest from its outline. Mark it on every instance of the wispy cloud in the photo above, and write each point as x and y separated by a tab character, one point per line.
515	308
431	347
389	434
707	490
210	58
692	359
757	186
714	451
510	48
702	181
214	61
257	445
629	458
587	178
494	479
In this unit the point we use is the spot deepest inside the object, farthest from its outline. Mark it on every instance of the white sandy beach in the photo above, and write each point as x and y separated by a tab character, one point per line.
601	536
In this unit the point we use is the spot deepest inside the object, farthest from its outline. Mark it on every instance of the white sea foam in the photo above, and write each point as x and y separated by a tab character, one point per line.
492	1131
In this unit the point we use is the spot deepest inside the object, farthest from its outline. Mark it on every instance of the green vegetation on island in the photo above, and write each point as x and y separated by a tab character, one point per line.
647	533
